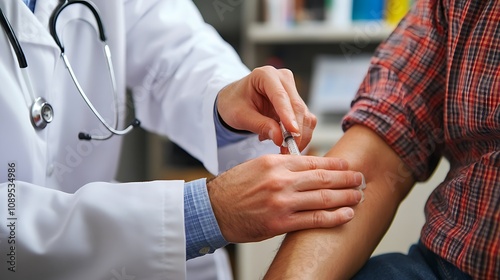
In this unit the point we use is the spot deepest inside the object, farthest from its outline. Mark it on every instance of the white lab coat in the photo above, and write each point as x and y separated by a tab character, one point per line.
68	221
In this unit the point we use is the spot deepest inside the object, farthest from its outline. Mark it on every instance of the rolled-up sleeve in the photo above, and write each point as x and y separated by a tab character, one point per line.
402	96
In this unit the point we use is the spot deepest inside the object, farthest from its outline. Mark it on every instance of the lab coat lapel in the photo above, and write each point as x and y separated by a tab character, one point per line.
31	28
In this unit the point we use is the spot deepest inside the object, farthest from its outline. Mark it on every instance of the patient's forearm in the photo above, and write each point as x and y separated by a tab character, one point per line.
339	252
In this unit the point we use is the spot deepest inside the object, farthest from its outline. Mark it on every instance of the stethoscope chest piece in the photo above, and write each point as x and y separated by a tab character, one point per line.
41	113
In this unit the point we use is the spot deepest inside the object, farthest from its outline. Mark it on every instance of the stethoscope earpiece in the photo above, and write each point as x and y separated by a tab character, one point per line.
41	113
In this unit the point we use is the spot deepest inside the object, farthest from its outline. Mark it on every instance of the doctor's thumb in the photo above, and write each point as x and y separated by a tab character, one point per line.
268	129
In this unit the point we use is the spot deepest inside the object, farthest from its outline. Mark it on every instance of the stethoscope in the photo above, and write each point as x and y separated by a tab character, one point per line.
41	112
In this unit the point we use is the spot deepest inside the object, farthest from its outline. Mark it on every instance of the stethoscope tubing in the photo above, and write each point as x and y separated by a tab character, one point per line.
107	53
64	5
21	58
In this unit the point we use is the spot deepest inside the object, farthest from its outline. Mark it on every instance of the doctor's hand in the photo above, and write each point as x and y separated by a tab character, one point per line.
259	101
276	194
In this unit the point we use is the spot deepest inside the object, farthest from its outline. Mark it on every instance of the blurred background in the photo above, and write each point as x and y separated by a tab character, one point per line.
327	44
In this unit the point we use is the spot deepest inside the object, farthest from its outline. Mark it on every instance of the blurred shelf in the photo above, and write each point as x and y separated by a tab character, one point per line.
260	33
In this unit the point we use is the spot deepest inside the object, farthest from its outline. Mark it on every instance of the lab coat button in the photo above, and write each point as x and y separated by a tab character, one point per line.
204	250
50	169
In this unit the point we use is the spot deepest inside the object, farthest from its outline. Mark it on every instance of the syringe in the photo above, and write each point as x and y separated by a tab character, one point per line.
289	141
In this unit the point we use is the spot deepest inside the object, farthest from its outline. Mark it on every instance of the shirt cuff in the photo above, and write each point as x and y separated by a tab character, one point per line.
225	136
203	235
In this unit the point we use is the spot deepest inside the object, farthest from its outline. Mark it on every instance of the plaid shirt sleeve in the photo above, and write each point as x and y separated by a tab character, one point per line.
402	96
432	89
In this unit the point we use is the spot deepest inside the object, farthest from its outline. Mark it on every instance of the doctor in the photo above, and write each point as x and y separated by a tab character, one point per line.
61	215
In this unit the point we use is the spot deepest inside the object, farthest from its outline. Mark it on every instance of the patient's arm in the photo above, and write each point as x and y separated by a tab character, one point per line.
338	253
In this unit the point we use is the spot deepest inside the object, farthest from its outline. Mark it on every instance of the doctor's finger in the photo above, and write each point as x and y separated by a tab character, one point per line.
308	125
264	126
300	110
270	84
327	179
318	219
325	199
307	163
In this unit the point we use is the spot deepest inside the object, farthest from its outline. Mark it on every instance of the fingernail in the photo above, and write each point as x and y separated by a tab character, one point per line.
349	213
296	126
362	196
360	176
270	134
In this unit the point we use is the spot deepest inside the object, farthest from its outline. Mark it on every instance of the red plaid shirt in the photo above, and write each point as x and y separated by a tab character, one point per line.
433	90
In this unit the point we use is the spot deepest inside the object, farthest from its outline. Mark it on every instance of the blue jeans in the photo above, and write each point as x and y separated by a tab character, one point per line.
419	263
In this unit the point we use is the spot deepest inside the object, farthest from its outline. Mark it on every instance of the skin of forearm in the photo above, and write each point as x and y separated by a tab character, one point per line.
338	253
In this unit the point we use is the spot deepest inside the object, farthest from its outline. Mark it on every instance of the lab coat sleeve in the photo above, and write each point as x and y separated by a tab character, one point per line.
102	231
175	70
